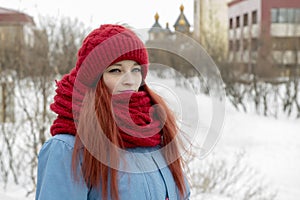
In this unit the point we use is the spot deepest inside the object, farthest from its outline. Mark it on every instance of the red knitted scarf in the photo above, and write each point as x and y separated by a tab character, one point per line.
138	121
145	131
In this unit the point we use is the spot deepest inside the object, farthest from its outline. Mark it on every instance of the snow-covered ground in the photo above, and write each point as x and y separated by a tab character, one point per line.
14	192
271	146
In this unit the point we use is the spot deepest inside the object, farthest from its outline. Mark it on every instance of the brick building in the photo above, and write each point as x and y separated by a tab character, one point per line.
264	37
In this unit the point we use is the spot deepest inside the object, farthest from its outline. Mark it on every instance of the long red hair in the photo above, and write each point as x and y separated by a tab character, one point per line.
96	124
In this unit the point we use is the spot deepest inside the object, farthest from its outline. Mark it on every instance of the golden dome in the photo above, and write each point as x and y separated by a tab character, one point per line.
156	16
181	8
181	22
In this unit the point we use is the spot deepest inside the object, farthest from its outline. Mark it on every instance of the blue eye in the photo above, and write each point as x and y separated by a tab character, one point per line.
136	69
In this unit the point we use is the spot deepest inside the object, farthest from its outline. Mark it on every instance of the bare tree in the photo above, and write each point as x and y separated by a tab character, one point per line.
64	38
228	178
53	53
271	85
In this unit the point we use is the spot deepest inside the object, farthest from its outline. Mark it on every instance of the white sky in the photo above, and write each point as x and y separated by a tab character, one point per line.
136	13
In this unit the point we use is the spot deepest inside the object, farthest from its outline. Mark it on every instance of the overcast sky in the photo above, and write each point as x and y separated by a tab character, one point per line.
136	13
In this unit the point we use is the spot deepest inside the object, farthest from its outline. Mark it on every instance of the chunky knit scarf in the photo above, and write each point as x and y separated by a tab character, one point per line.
138	124
138	121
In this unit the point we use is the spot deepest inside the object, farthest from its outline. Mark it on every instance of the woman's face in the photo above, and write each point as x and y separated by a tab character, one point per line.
123	76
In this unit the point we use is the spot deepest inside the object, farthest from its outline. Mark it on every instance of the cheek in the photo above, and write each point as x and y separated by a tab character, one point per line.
138	80
110	83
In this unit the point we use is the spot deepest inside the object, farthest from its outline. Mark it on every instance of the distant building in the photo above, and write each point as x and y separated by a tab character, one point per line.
181	25
16	27
159	36
264	36
157	32
17	37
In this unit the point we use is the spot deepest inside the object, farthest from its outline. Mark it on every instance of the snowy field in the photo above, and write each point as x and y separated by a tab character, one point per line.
271	146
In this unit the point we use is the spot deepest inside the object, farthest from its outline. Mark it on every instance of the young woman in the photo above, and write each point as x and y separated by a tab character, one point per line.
113	138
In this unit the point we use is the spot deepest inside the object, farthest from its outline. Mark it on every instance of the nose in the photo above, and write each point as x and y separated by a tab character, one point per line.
128	79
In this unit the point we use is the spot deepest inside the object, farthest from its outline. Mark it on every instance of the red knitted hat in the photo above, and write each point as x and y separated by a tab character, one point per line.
104	46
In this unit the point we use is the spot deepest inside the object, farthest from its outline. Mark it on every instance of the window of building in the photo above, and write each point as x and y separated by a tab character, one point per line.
245	44
231	45
283	15
6	102
277	43
291	15
238	21
230	23
297	15
274	15
254	17
237	45
286	43
245	19
254	44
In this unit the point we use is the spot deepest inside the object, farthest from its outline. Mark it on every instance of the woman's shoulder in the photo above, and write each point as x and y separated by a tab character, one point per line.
55	170
60	142
65	139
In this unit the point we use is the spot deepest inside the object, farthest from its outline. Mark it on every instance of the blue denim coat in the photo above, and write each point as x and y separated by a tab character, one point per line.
55	180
